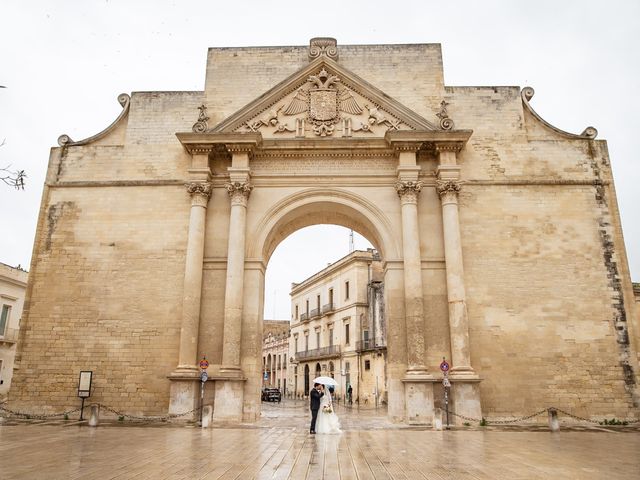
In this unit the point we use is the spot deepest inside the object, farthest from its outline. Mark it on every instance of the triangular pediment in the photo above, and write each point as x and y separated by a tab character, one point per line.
323	99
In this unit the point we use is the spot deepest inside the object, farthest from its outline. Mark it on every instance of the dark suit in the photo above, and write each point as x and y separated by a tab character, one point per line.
314	405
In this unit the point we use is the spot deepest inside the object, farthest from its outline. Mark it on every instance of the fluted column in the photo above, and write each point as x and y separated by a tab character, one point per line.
414	311
233	298
187	357
448	187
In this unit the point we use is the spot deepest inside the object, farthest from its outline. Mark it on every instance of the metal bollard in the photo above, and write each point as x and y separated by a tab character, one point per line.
95	415
207	416
554	424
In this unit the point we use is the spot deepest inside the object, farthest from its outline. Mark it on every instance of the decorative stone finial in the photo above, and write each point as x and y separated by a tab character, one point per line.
446	123
323	46
201	125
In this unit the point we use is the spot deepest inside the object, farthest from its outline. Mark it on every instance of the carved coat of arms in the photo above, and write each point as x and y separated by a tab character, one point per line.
323	101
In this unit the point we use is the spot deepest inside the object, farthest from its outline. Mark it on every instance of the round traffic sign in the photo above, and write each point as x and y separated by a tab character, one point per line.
204	377
204	364
444	366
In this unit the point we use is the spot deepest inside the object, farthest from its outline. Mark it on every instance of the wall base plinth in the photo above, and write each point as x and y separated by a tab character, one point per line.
184	395
418	392
229	400
465	399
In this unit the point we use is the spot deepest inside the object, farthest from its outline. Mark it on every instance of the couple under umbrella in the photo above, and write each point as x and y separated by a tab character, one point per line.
323	415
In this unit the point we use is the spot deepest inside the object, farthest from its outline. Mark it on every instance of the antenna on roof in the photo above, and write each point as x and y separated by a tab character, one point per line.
351	246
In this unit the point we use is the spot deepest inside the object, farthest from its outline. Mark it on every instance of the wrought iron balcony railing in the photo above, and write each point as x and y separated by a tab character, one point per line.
327	308
314	313
371	344
316	353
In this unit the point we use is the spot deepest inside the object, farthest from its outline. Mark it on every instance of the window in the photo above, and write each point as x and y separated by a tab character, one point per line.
4	318
331	337
346	334
306	342
318	303
307	309
331	298
318	338
367	364
295	344
346	290
296	312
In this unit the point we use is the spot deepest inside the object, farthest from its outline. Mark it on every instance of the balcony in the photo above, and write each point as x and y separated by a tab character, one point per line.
327	308
10	336
304	317
318	353
371	344
314	313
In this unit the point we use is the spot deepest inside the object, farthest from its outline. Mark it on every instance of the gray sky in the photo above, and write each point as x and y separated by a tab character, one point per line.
65	62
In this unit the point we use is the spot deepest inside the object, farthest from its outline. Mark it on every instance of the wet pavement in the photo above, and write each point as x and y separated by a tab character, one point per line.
280	447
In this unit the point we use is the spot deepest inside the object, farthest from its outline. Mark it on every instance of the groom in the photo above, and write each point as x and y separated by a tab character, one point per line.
314	405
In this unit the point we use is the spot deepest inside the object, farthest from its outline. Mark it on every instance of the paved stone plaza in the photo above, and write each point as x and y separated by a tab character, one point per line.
279	447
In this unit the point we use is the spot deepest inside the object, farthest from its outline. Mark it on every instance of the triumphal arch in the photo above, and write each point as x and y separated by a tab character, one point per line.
500	236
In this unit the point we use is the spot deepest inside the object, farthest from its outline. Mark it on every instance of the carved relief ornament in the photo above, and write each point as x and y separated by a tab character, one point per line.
239	192
447	188
408	191
200	192
323	46
320	105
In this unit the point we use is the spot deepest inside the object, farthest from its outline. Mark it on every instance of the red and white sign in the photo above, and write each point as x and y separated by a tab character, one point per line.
444	366
204	364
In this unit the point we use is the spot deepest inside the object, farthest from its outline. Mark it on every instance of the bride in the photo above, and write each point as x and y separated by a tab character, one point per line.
327	421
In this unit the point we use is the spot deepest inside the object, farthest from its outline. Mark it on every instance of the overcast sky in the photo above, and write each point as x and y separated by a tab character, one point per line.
65	62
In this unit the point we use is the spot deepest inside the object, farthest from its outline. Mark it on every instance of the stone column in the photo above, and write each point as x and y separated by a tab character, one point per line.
414	310
233	297
229	399
465	391
418	386
183	395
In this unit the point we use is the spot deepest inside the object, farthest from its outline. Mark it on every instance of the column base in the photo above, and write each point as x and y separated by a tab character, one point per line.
465	399
229	399
463	373
232	371
418	393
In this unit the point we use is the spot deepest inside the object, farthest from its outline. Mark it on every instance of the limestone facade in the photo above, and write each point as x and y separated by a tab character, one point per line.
13	284
275	353
499	235
338	329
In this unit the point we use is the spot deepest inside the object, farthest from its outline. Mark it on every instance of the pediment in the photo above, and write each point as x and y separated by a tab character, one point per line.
323	100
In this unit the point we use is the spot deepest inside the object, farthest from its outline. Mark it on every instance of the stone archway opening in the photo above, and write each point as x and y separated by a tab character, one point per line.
327	334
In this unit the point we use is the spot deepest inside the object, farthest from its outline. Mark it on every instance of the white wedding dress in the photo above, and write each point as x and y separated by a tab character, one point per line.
327	422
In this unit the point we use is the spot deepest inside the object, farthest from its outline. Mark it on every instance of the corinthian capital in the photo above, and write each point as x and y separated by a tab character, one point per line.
448	188
239	192
408	191
200	192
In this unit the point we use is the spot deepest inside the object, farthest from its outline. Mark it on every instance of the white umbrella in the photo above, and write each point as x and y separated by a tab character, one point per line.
325	381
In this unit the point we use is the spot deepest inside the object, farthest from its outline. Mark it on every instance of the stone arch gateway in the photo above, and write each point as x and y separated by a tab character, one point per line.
500	235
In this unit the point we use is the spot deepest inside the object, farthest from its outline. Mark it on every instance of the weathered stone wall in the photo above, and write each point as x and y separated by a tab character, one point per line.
551	313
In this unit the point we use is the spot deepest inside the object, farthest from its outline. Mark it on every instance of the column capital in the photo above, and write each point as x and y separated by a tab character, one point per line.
408	190
448	189
239	192
200	192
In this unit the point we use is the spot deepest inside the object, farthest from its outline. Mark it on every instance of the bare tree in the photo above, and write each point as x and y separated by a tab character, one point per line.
13	178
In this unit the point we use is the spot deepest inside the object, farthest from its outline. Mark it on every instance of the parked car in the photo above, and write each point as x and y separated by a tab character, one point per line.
271	395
